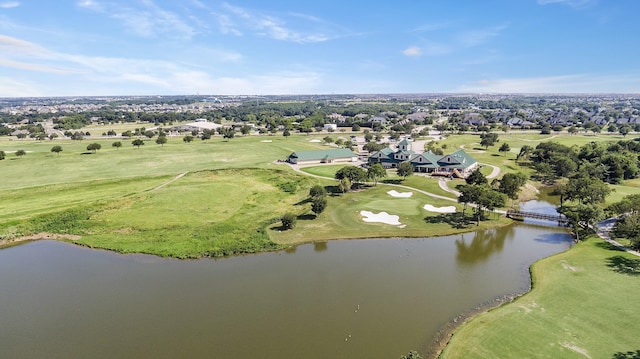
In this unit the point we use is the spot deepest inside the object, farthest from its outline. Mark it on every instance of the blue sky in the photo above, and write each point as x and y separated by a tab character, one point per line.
252	47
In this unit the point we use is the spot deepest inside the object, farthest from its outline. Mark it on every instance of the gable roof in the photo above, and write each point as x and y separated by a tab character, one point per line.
458	159
323	154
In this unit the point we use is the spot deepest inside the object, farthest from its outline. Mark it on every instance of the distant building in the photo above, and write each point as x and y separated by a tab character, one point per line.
457	164
322	156
199	125
330	127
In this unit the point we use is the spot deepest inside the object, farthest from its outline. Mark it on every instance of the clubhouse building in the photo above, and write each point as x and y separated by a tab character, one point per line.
457	164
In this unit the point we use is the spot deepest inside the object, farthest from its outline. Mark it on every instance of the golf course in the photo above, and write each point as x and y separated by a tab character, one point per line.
224	197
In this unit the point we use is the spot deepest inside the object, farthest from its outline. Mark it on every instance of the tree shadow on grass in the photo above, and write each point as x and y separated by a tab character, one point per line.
392	181
608	246
333	190
304	201
307	217
455	220
624	265
627	355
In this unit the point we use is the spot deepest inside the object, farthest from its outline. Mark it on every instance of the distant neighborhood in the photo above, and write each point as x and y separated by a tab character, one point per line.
41	118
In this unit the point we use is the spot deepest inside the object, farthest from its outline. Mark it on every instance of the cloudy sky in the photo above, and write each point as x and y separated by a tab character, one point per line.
257	47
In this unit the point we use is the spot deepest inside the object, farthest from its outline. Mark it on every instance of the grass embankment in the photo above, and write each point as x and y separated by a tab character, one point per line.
581	306
211	213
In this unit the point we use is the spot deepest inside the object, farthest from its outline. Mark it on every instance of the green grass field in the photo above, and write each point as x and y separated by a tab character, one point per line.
342	218
43	185
582	305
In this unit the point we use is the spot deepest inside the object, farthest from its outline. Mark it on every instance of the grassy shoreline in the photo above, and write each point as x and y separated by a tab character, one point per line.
579	305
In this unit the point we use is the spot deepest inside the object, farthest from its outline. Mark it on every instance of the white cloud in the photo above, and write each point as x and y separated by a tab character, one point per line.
147	21
572	3
10	87
116	75
237	18
581	83
432	27
9	4
412	51
479	36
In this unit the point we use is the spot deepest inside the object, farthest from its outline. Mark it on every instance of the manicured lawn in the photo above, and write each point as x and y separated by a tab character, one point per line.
41	167
342	219
582	306
328	171
209	213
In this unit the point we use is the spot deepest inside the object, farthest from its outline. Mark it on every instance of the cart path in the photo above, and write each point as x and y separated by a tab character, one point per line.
169	181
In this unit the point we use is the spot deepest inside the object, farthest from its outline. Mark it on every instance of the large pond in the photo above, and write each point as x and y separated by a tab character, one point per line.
342	299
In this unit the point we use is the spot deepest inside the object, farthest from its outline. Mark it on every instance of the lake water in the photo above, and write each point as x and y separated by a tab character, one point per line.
341	299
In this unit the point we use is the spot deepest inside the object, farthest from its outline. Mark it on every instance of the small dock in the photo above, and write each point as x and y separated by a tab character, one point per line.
547	217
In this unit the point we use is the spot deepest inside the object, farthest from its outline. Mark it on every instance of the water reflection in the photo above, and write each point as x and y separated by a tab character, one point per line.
320	246
483	244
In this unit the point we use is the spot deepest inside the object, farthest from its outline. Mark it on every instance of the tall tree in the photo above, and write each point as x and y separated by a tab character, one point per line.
137	142
504	148
317	191
318	204
488	139
405	169
511	183
585	189
20	153
476	177
117	145
356	175
288	220
375	172
94	147
161	140
56	149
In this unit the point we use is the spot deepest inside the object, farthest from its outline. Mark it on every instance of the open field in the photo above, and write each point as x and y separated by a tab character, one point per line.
582	305
42	184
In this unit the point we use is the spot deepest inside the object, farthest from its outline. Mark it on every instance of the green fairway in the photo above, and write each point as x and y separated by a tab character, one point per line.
581	306
328	171
207	213
342	218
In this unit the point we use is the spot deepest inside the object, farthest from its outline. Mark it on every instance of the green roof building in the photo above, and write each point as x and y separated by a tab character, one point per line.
457	164
322	156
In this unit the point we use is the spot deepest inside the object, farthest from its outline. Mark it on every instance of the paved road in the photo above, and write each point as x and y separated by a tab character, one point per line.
298	168
494	173
603	229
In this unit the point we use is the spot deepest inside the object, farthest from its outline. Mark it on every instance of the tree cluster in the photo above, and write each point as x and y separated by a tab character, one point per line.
628	224
350	177
478	193
318	197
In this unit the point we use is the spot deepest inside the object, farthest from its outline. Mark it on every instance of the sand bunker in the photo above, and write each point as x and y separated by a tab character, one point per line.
382	217
394	193
315	140
447	209
266	141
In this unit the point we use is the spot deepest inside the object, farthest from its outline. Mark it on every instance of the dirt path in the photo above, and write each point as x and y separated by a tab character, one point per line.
170	181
